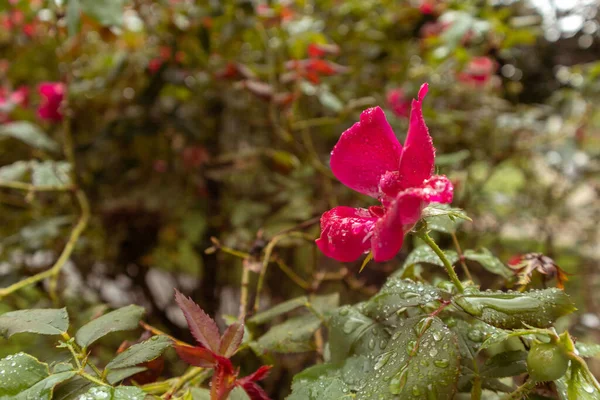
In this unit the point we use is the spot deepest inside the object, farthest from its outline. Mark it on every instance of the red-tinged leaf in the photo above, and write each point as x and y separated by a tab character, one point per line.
222	383
256	376
197	356
231	339
225	364
255	392
203	328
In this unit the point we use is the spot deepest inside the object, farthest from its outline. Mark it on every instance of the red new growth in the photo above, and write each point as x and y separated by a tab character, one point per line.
214	352
369	159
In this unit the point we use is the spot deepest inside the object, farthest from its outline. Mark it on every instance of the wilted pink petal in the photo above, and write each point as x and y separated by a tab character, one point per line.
345	233
52	96
418	155
366	151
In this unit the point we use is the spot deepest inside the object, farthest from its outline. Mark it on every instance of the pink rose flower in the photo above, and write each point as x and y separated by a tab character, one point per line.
52	94
369	159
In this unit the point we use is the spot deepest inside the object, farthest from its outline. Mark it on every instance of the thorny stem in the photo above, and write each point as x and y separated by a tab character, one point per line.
90	378
292	275
521	391
267	258
244	290
157	331
192	373
79	354
64	256
449	269
460	257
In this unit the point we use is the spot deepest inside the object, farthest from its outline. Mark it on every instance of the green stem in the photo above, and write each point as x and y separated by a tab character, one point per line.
521	391
64	256
476	389
90	378
192	373
35	188
461	257
449	269
244	290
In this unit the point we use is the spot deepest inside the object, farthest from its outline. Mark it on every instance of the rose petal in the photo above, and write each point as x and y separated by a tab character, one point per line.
403	212
418	155
437	189
366	151
345	232
389	231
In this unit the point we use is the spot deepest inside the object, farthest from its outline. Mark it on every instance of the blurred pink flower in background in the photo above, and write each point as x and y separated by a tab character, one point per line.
52	94
397	101
478	71
11	100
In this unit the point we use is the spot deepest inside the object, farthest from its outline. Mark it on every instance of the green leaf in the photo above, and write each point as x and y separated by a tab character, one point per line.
330	101
110	393
141	352
28	133
23	377
51	173
325	303
15	171
444	210
489	262
398	294
278	310
511	310
292	336
19	372
419	359
51	321
510	363
199	394
123	319
587	350
351	330
320	389
43	173
424	254
578	383
117	375
71	389
443	218
105	12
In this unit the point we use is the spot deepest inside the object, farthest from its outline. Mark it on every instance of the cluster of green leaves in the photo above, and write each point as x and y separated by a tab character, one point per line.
414	340
22	376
